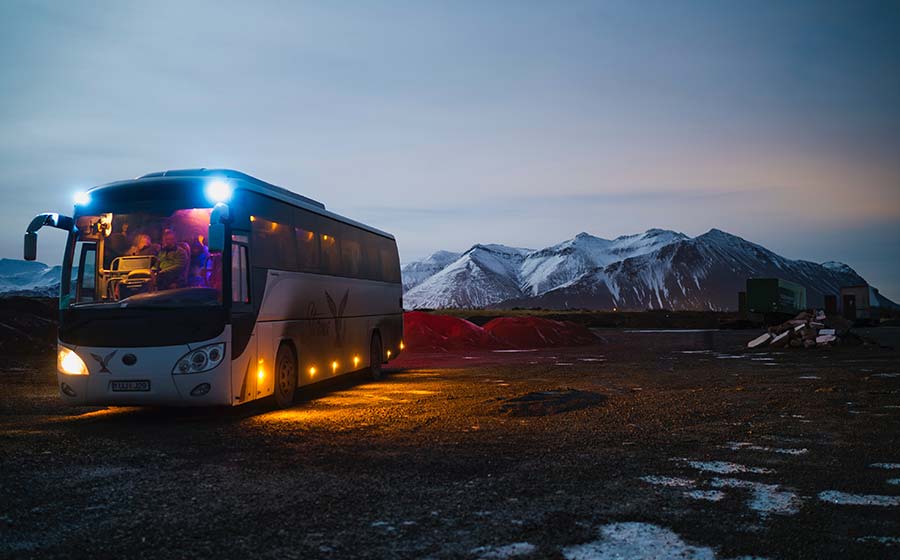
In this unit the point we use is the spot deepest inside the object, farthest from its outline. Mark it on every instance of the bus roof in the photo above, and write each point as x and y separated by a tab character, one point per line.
250	183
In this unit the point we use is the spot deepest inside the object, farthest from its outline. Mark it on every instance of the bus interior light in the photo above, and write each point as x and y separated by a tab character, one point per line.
218	190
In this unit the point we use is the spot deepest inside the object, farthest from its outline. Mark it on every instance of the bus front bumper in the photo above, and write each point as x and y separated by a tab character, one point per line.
142	377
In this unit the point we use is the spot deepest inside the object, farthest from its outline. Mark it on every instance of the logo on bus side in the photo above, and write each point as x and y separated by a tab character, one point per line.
104	360
338	312
316	326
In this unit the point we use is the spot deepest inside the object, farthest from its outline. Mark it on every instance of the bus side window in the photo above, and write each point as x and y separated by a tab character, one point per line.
351	254
331	255
274	244
372	261
240	270
390	263
307	249
86	273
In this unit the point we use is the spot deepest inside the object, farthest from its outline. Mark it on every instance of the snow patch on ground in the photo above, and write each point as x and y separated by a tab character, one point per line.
886	375
637	540
506	551
880	540
847	499
766	499
641	541
725	467
708	495
888	466
671	481
738	445
894	481
809	377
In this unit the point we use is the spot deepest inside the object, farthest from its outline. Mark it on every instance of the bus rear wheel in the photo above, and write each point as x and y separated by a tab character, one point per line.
375	353
285	376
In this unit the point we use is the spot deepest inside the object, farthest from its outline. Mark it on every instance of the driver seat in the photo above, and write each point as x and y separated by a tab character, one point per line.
134	275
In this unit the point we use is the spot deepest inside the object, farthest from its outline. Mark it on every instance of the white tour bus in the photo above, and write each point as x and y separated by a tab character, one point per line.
211	287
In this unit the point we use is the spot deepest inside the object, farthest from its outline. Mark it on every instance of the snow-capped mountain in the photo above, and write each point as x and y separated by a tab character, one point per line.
560	264
415	272
653	270
483	275
29	278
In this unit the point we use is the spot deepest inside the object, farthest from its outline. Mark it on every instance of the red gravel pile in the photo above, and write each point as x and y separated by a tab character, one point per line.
425	332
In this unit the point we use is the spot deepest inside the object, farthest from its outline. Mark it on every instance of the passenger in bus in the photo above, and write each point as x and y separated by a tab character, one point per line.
199	263
117	245
174	260
143	246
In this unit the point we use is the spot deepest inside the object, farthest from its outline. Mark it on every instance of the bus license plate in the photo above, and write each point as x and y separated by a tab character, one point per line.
125	386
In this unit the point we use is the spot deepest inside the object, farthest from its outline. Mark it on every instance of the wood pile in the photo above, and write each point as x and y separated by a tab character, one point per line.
807	330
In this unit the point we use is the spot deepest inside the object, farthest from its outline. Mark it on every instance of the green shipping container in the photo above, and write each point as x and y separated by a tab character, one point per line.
774	295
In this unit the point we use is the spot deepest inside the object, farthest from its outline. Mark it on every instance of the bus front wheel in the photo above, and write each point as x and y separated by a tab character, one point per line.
285	376
375	357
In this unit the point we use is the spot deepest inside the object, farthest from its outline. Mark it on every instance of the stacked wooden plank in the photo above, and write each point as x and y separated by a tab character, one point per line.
807	330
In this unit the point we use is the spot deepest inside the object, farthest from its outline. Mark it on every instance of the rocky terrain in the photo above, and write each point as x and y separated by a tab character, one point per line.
676	444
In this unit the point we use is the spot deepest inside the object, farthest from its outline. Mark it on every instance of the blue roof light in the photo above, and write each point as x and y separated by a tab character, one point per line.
218	190
82	198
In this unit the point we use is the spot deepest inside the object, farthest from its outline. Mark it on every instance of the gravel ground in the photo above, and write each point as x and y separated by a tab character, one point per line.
681	441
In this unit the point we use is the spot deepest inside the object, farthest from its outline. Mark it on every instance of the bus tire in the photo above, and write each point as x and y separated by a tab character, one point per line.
285	376
375	353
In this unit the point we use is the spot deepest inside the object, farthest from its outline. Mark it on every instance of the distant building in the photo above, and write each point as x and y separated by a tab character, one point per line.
860	302
774	295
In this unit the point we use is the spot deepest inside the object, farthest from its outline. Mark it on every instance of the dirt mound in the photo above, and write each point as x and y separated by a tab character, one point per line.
426	332
544	403
535	332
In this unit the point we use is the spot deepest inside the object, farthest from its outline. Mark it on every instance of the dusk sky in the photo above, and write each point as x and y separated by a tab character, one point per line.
452	123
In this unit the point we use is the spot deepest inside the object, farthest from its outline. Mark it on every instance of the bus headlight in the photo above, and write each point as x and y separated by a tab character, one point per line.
68	362
200	360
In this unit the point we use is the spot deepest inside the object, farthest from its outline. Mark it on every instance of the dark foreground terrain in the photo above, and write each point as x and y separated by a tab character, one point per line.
679	441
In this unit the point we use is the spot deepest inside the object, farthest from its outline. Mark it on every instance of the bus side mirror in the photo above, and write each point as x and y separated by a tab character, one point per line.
217	218
30	246
216	237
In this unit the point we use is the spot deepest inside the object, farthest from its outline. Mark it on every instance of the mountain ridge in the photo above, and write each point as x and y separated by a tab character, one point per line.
651	270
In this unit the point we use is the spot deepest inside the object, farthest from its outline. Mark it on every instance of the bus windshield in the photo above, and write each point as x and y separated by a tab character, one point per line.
142	259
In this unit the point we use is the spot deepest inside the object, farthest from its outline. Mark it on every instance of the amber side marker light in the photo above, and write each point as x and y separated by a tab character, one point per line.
388	353
334	366
260	372
355	361
68	362
312	371
402	346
